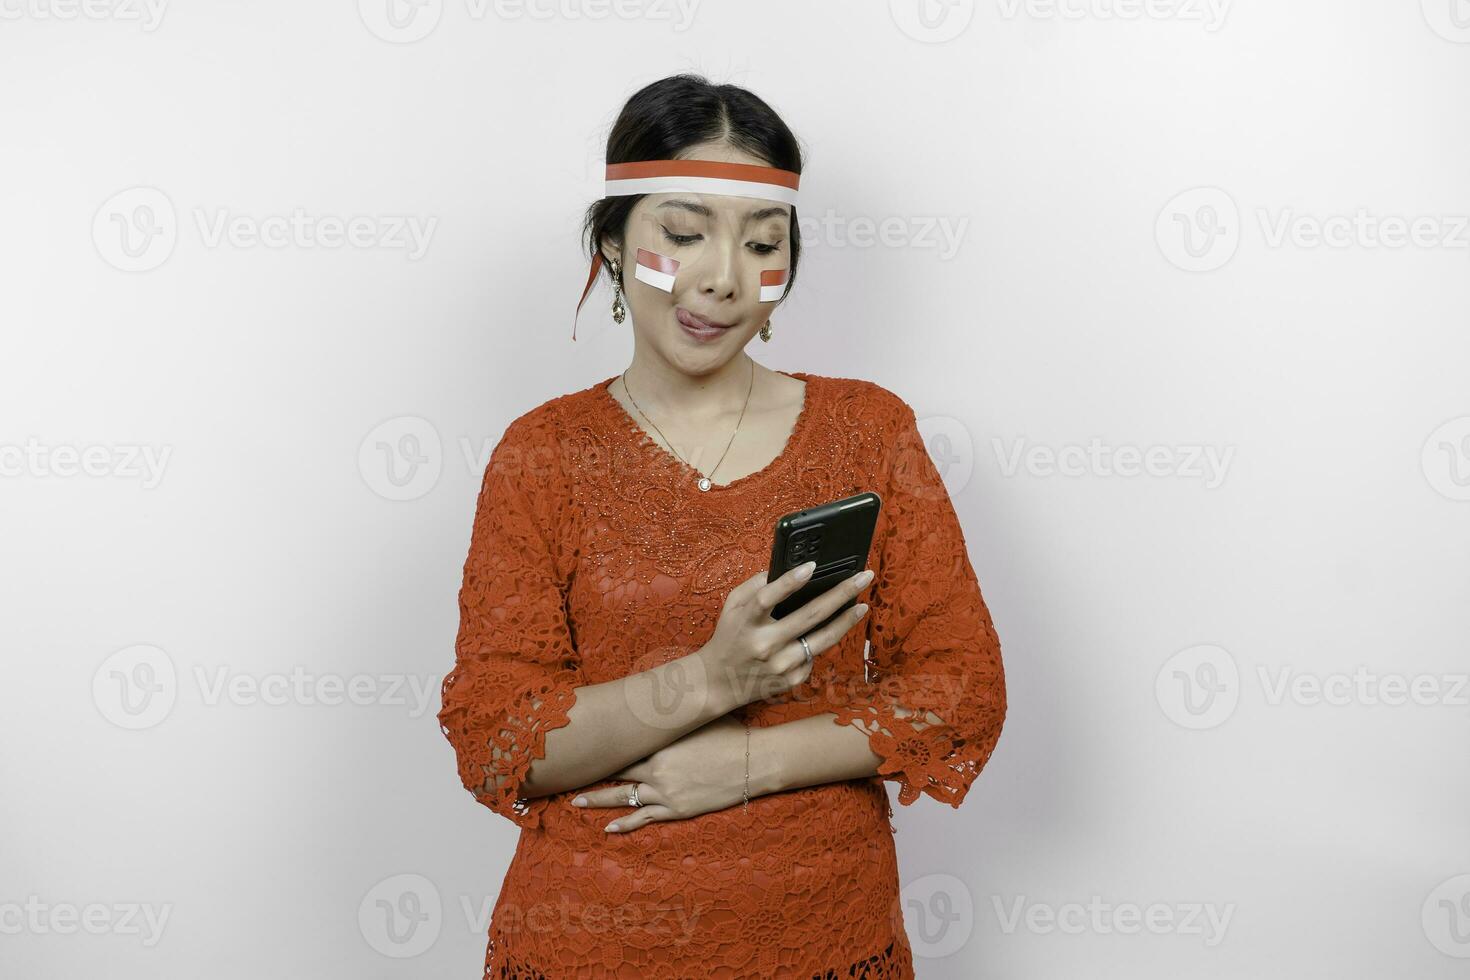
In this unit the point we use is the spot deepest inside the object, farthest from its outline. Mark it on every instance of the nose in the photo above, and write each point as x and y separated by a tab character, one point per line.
719	273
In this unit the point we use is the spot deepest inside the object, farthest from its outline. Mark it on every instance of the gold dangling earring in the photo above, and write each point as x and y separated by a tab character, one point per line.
618	309
766	332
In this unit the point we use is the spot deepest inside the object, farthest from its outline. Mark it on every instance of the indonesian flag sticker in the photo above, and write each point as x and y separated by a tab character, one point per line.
773	284
656	270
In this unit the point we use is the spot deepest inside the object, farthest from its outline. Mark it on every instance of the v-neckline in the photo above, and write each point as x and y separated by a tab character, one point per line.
627	425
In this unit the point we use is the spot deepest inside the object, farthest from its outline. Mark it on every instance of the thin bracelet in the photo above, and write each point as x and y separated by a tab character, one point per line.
747	765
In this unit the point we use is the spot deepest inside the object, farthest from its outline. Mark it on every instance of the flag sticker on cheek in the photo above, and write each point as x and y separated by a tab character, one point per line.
656	270
773	284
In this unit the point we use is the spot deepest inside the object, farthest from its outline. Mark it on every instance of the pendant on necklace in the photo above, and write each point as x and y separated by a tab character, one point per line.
704	483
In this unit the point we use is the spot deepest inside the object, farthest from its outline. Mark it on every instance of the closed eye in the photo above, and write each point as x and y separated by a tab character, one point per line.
760	248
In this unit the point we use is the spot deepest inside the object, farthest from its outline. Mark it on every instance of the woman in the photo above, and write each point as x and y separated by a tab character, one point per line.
700	785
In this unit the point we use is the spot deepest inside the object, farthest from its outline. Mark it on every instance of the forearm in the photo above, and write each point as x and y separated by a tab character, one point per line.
618	722
807	752
813	750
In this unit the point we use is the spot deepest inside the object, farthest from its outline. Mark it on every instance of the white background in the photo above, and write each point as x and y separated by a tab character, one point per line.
1133	192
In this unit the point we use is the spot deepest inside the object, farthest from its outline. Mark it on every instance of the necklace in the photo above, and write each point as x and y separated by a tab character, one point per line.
704	481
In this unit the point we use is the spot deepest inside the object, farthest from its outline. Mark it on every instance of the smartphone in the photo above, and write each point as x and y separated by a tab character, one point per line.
836	535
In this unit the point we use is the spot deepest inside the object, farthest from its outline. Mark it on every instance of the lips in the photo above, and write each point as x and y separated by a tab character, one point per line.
695	320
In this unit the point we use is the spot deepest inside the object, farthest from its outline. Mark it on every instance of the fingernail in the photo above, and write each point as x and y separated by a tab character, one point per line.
611	828
805	571
580	801
865	577
862	609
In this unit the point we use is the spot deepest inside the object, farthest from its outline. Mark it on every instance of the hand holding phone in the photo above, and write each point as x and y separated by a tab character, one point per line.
818	559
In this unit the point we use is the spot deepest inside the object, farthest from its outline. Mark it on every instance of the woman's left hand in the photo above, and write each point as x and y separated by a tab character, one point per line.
699	773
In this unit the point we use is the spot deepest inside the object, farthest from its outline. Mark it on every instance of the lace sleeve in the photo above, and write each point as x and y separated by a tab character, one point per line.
515	664
932	642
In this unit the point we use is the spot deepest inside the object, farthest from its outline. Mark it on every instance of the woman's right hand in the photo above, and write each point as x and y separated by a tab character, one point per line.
755	655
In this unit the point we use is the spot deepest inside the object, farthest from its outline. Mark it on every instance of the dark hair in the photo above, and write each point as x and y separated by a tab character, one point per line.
672	114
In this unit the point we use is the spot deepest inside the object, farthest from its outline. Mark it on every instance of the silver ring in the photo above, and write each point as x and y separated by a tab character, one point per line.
633	796
805	646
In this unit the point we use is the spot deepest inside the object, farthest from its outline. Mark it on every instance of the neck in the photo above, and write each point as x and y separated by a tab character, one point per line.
664	390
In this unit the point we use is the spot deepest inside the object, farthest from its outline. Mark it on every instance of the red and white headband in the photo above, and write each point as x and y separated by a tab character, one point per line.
697	177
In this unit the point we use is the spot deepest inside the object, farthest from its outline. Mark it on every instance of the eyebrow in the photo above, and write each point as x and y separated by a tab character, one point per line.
758	215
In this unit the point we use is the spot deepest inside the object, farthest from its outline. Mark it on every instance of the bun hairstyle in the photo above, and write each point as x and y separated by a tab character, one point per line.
667	117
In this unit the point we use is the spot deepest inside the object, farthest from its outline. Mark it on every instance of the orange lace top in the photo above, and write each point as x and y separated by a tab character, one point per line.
594	556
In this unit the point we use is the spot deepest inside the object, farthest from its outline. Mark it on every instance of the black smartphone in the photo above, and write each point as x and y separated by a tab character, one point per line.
836	535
